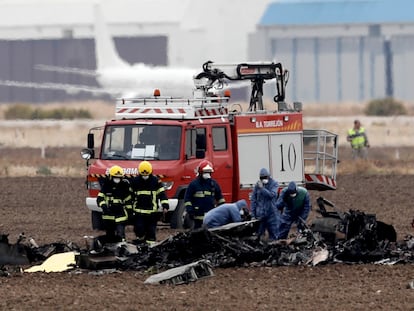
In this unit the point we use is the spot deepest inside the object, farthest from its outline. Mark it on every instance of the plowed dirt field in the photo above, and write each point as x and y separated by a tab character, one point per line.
52	209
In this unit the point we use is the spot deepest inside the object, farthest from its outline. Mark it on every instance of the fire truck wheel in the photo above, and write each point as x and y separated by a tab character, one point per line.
188	222
97	223
178	218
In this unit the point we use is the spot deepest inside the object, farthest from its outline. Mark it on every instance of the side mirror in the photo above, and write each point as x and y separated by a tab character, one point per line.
91	141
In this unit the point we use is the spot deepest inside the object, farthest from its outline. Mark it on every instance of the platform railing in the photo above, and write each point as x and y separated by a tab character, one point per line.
320	156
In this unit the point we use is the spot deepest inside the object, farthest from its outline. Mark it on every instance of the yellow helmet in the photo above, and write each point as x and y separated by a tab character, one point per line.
116	171
145	168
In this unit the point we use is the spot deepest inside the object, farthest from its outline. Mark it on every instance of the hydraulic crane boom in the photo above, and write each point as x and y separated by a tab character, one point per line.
214	75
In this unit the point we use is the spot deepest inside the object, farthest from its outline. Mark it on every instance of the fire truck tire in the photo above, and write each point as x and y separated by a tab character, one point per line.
188	223
180	219
97	223
177	218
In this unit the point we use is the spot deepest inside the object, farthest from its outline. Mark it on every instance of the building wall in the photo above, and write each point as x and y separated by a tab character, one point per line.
19	57
340	63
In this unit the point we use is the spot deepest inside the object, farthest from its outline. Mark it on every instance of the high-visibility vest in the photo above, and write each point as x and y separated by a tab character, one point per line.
357	138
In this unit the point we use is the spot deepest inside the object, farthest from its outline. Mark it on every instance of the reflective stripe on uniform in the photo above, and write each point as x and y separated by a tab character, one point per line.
108	217
128	199
114	218
202	194
144	211
154	202
121	219
144	192
160	190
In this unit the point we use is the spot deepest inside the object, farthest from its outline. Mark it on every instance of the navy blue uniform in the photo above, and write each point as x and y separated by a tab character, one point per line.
201	196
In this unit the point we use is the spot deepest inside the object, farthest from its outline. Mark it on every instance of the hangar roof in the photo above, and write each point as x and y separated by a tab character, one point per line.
321	12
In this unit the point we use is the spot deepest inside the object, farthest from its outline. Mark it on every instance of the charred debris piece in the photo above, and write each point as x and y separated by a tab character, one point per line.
26	252
183	275
351	237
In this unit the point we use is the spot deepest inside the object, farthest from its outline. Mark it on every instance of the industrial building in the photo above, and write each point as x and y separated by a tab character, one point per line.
340	51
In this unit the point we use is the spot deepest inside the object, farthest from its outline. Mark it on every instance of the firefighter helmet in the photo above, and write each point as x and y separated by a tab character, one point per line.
205	167
116	171
145	168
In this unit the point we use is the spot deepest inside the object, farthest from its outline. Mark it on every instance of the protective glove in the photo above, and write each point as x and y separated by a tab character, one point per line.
105	209
165	208
259	184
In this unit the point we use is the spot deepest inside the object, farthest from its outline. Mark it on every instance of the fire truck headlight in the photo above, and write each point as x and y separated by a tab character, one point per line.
286	118
86	154
167	184
94	185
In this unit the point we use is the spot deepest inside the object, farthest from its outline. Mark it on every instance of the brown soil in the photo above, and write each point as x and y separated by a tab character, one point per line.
51	209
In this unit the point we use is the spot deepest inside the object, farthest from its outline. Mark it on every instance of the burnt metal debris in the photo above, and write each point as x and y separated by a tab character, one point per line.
350	237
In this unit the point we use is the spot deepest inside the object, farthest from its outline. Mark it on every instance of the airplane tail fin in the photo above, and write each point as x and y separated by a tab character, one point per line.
105	50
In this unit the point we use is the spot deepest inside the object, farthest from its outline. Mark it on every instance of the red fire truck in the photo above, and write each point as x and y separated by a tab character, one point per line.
176	134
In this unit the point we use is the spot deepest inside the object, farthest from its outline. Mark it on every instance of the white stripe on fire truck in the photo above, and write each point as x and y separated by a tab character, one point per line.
152	110
210	112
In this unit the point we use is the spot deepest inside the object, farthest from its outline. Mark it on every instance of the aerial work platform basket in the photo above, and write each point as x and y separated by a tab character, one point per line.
320	157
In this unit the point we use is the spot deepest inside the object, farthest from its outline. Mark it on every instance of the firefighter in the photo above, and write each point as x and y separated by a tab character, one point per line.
263	204
357	136
294	203
226	213
115	198
148	191
202	194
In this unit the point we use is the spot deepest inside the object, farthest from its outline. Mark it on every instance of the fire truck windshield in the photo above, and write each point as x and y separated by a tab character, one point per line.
141	141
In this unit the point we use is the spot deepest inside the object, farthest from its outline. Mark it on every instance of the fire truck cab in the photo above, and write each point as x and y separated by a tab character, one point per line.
176	134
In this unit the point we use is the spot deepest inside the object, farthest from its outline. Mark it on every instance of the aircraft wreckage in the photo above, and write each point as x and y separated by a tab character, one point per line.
351	237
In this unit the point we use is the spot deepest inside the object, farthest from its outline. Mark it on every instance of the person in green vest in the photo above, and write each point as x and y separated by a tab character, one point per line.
295	205
357	136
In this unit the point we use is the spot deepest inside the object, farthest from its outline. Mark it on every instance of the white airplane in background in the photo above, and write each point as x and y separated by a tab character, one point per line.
115	76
